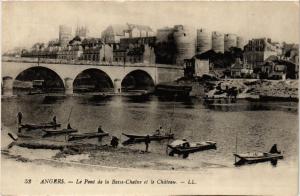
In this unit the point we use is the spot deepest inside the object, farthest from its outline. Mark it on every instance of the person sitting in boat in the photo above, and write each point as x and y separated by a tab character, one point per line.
100	129
69	126
159	131
185	144
274	149
54	120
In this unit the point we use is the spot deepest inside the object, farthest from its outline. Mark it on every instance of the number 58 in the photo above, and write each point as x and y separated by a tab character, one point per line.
27	181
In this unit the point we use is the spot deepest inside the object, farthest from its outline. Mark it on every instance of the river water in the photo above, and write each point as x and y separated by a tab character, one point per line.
256	125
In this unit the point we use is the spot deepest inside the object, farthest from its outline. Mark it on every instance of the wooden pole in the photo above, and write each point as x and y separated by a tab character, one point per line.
70	114
235	148
170	130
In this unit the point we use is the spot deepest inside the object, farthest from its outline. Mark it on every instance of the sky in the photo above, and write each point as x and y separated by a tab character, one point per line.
25	23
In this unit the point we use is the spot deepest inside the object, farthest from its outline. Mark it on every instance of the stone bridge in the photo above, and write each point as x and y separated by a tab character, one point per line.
68	72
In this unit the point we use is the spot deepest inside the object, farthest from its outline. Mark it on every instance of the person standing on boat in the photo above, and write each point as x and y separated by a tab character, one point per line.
147	142
274	149
100	129
54	120
159	131
69	126
19	116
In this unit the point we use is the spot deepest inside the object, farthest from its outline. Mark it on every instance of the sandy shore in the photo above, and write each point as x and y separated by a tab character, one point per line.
128	181
130	171
251	88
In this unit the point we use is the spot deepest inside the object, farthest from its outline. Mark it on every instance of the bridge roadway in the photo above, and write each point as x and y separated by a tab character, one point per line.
67	72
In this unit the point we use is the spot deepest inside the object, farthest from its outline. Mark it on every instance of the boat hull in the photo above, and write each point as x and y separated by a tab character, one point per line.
152	137
58	132
40	126
258	159
79	136
187	150
141	138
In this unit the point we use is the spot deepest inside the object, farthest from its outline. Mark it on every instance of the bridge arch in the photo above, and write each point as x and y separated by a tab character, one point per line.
138	80
92	80
42	78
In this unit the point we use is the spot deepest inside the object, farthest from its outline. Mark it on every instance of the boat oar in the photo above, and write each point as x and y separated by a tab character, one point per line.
168	141
235	148
70	114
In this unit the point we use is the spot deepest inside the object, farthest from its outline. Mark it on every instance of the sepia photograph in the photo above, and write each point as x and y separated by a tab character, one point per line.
149	98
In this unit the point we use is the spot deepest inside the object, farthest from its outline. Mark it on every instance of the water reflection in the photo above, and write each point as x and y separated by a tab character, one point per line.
244	105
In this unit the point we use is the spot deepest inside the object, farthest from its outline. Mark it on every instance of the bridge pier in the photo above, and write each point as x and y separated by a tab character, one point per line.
7	86
68	86
117	86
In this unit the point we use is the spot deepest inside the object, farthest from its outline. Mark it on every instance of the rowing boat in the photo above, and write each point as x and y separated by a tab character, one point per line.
61	131
79	136
153	137
40	126
256	157
184	148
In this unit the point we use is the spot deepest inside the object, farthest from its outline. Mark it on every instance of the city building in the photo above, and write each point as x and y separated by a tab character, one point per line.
114	33
165	49
185	42
195	67
258	50
135	50
81	31
73	52
65	35
290	52
140	31
137	42
230	40
94	49
241	70
273	70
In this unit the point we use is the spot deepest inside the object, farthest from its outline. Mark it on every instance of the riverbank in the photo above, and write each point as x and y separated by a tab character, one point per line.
263	88
255	89
28	150
129	181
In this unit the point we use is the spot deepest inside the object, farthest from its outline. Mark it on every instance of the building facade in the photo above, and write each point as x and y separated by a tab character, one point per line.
258	50
114	33
195	67
241	70
65	35
81	31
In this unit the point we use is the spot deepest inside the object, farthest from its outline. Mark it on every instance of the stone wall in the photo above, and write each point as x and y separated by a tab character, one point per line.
165	74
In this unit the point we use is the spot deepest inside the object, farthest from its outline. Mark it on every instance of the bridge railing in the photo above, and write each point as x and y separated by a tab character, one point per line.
83	62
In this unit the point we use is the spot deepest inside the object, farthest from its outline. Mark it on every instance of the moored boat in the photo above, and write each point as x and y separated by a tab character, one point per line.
152	136
256	157
182	147
79	136
61	131
40	126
